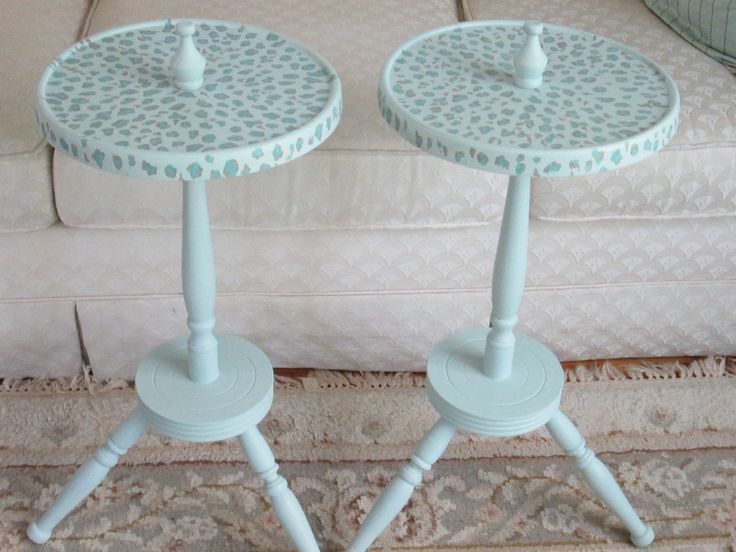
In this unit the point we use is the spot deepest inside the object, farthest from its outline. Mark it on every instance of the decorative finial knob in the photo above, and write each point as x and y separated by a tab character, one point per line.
187	64
530	61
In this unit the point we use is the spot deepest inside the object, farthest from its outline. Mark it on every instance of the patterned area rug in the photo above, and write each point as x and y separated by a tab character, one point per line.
528	504
666	429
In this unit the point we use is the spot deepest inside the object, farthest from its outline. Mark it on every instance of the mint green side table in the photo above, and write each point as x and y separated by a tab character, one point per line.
190	101
525	100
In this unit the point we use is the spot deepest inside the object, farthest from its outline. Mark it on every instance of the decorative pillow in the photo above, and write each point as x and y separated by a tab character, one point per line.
709	25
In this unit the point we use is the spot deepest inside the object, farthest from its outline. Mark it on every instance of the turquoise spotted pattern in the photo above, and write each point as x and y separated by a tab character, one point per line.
601	105
110	101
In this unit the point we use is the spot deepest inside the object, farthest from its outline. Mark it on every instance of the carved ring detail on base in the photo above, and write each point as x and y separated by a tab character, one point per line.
180	408
464	396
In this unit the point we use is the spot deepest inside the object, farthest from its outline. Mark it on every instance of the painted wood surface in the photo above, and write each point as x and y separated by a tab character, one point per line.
198	283
205	387
492	122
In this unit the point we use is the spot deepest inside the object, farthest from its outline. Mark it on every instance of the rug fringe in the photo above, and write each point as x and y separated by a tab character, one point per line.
708	367
643	369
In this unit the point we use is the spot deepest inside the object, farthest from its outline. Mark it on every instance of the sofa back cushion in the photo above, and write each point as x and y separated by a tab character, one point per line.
30	39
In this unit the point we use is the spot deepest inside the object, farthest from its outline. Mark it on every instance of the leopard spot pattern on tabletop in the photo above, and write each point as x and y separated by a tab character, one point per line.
110	102
601	106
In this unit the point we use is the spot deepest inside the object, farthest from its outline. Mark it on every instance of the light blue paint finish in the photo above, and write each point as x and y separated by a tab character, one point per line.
203	388
478	94
89	475
530	61
187	64
181	408
285	505
599	104
395	496
509	272
466	396
198	282
143	118
146	113
596	474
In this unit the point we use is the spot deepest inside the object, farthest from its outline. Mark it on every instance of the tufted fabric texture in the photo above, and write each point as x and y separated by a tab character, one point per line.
695	174
26	199
325	189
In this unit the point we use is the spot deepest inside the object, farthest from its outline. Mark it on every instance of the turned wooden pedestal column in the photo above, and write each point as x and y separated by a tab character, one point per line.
521	100
183	117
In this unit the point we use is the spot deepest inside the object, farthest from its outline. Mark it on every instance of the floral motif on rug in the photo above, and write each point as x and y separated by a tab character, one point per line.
689	497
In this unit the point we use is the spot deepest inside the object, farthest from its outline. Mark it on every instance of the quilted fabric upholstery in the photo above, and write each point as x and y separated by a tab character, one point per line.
97	263
29	40
706	24
396	331
696	173
325	189
39	338
379	299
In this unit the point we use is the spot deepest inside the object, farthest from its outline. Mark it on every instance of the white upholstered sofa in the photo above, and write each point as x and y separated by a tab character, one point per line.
366	252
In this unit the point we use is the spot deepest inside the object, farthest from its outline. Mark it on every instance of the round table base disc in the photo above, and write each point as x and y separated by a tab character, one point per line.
464	396
238	399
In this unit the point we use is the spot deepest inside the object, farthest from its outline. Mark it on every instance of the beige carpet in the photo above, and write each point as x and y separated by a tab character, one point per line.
528	503
668	432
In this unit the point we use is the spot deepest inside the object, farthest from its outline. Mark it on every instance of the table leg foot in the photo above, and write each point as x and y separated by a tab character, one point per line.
644	539
285	505
598	477
37	535
397	493
89	475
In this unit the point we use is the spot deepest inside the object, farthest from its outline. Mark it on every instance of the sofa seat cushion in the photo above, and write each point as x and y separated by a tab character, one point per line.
29	41
369	299
695	174
69	262
397	331
364	175
39	338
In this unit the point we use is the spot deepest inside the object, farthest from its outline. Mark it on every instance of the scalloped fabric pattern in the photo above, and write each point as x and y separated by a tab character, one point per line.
39	338
145	262
396	331
322	190
29	40
695	175
379	300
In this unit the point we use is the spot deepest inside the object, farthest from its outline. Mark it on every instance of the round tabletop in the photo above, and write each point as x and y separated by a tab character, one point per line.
601	105
111	101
